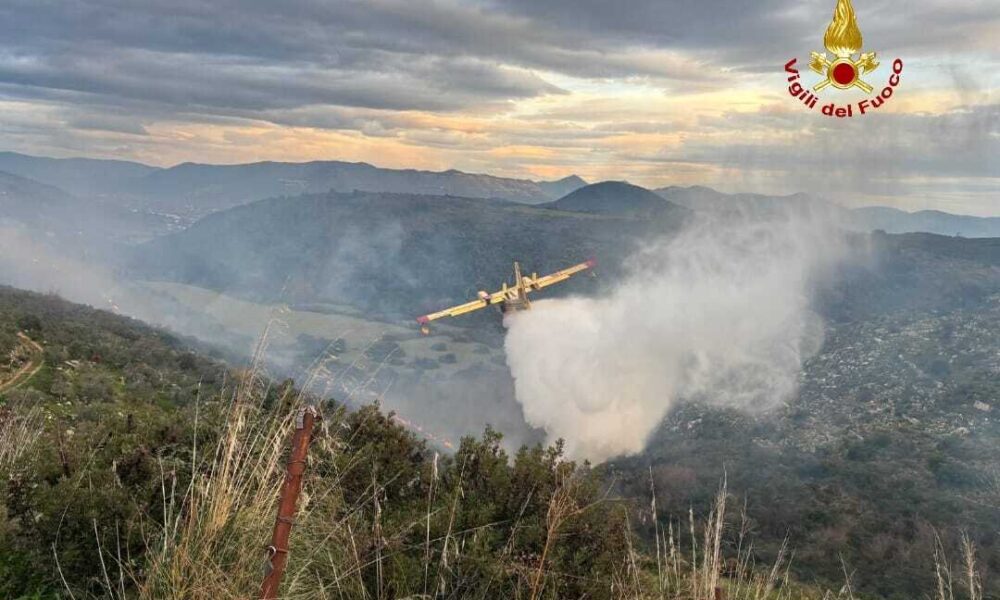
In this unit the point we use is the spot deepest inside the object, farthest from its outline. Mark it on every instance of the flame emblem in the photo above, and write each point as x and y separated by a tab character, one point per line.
843	40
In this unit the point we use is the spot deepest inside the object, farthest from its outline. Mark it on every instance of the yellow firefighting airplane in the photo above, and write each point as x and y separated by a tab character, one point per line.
510	298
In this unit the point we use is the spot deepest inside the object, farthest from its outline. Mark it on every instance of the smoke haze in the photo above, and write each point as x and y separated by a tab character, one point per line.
719	314
30	264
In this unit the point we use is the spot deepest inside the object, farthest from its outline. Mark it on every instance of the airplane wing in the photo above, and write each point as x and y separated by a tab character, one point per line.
541	282
461	309
454	311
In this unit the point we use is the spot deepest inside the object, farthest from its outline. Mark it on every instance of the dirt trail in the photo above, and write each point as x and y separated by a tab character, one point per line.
28	370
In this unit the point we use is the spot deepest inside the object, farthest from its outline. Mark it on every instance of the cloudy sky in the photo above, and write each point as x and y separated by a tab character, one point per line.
658	92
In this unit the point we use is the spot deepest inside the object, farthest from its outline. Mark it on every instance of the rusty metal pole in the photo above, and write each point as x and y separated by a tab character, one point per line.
277	552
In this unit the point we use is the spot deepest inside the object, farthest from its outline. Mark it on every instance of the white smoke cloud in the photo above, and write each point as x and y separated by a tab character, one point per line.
31	263
719	314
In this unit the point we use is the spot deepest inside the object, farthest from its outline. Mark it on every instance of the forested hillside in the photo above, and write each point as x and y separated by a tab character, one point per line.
400	255
134	467
887	449
890	445
388	254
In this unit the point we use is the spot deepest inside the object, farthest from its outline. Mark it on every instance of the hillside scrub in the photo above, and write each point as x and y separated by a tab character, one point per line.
136	468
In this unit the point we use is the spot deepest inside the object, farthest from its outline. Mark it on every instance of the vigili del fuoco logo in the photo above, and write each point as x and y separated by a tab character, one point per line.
843	67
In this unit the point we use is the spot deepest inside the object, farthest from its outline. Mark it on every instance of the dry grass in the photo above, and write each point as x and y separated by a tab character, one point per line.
18	431
703	574
968	583
212	539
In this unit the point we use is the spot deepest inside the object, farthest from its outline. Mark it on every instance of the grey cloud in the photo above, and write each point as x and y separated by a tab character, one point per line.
223	55
98	122
217	58
749	34
959	143
186	81
214	57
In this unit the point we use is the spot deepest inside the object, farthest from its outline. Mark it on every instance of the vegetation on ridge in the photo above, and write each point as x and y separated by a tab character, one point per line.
133	467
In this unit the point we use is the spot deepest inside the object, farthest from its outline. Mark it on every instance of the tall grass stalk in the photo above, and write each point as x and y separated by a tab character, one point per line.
18	431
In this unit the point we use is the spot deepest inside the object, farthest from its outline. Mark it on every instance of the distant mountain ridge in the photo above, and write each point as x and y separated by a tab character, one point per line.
187	192
702	198
194	190
205	188
77	176
561	187
890	220
893	220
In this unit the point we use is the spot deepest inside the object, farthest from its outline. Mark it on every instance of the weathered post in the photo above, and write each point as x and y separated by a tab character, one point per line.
277	552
